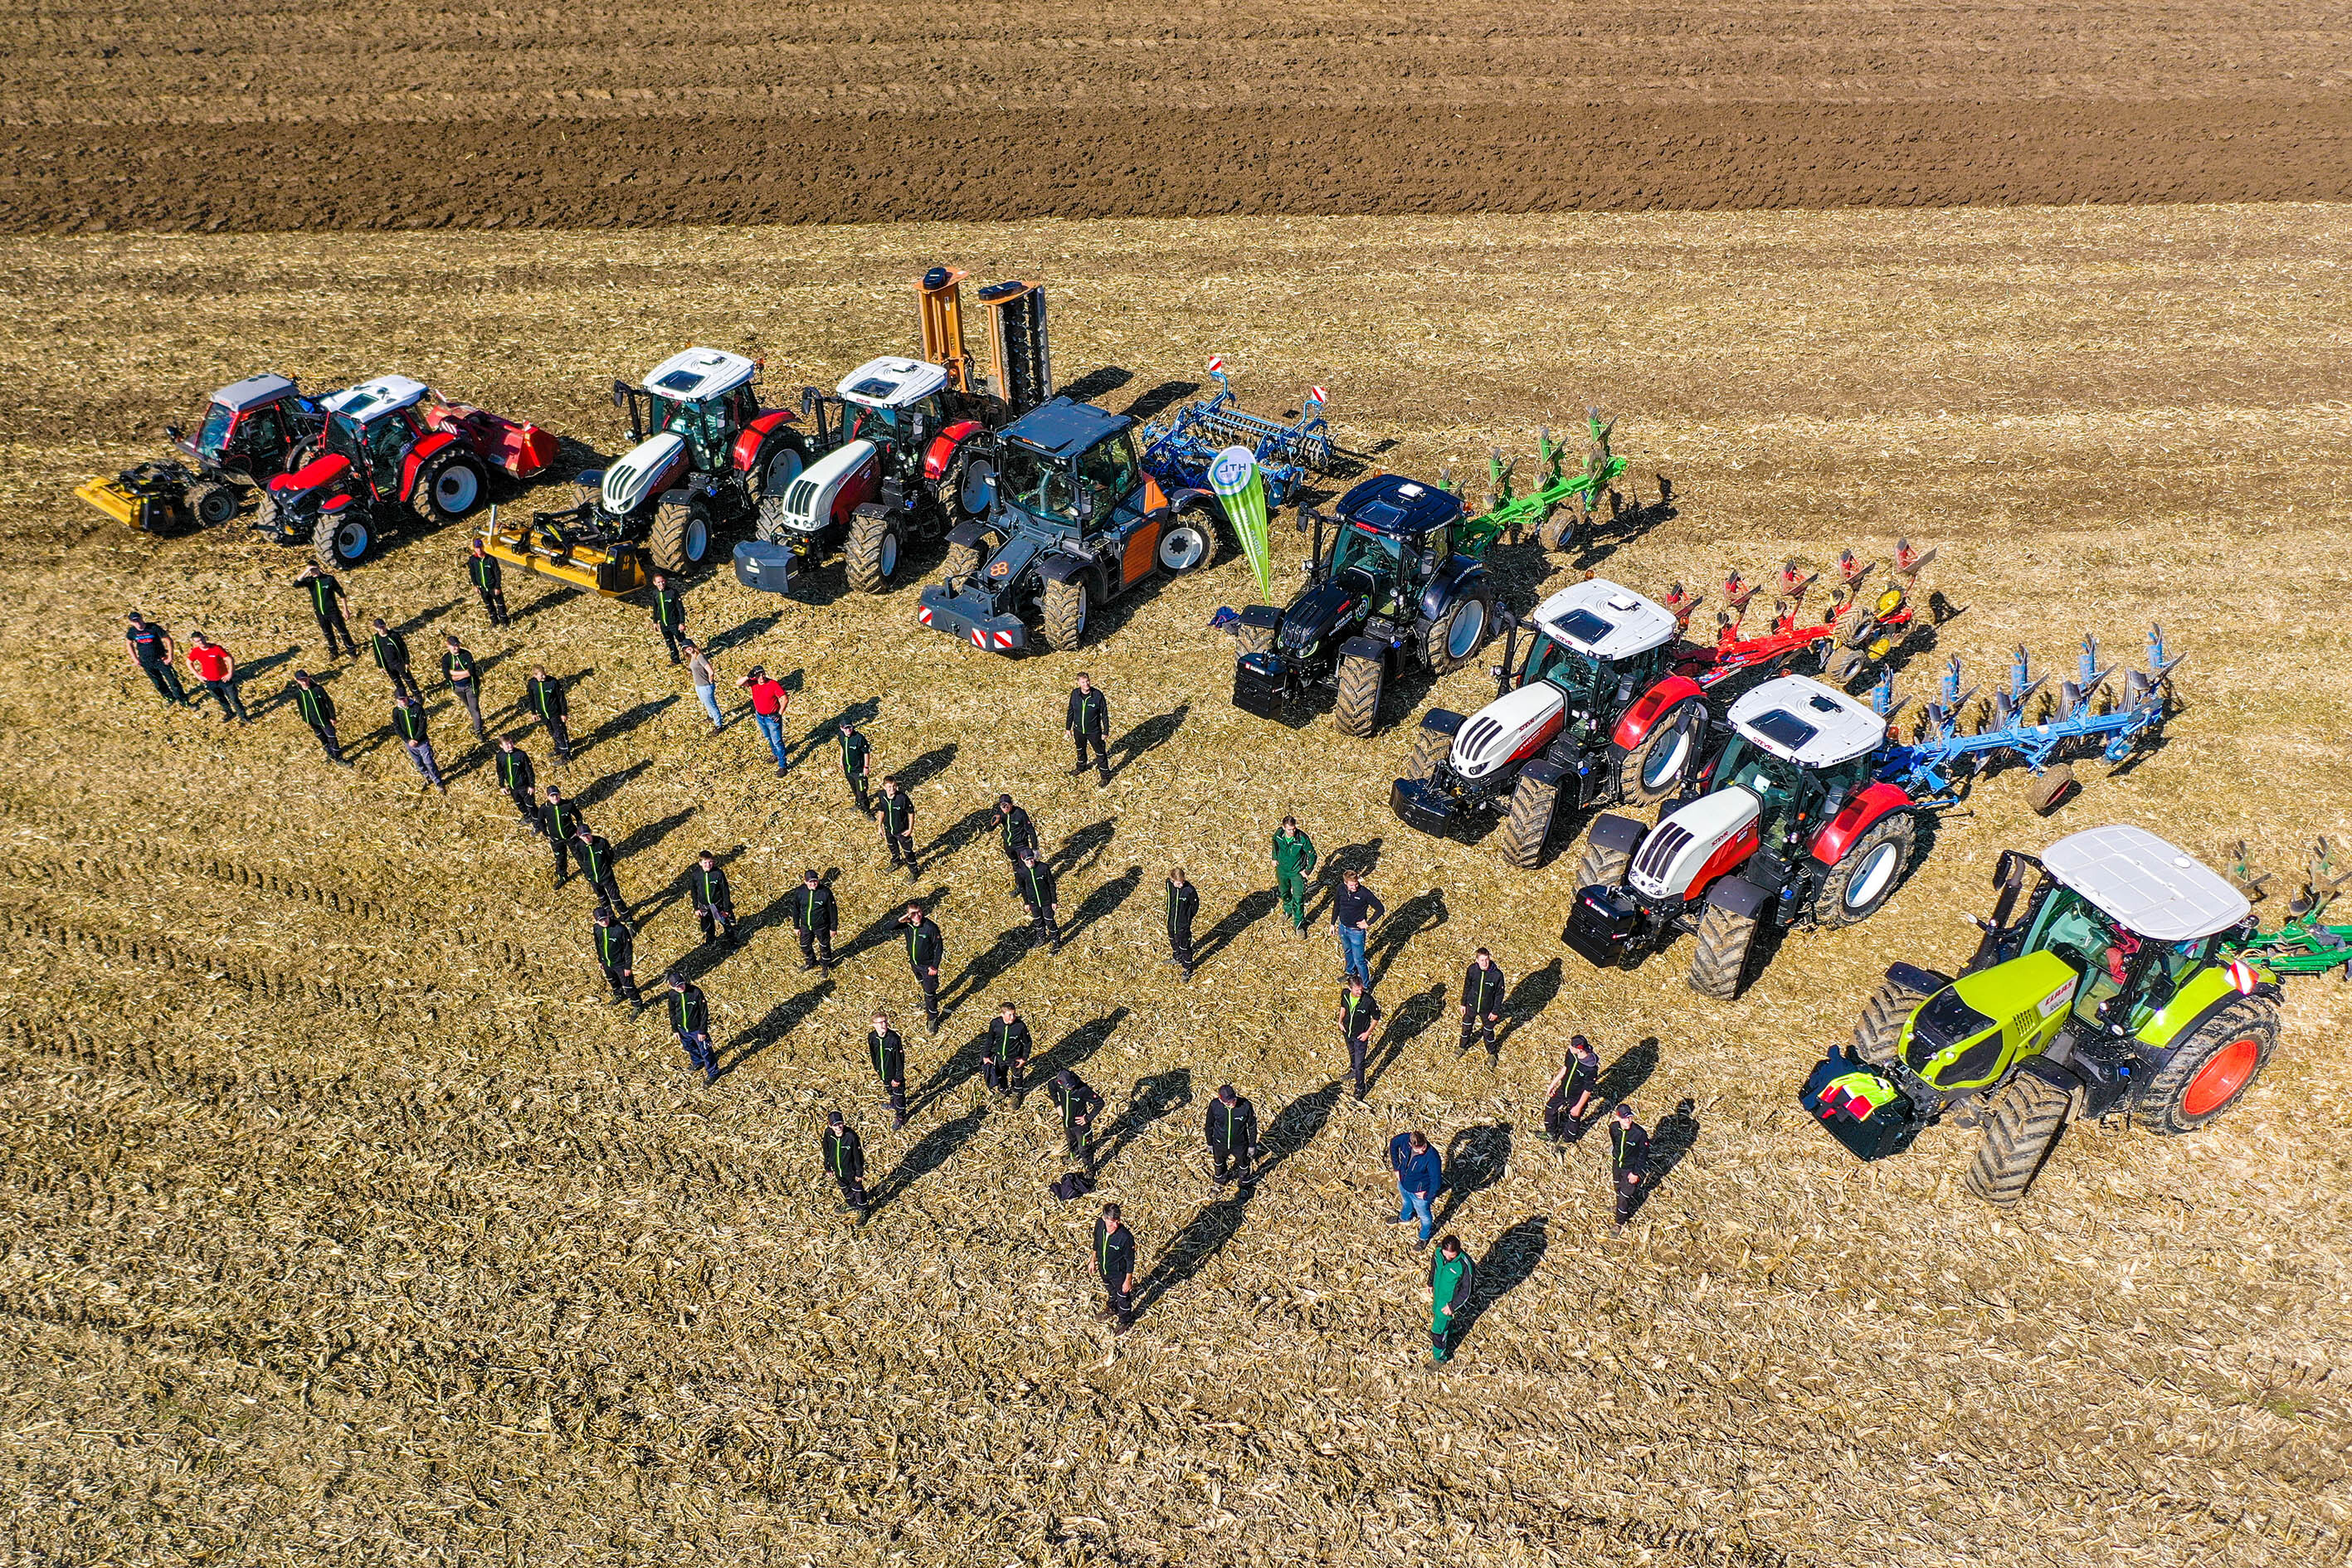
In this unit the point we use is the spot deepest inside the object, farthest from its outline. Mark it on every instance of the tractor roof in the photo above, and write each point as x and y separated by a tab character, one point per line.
1394	504
374	399
1597	618
892	382
697	374
2145	885
1063	430
1800	720
254	391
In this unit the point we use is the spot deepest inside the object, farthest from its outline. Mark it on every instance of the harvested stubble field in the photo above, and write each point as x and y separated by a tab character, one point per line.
345	1223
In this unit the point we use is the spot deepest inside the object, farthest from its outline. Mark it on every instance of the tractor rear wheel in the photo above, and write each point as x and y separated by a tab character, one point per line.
681	533
1357	710
1601	867
1882	1017
873	552
1651	770
449	487
1063	621
1527	826
1428	746
2211	1068
213	503
2052	789
1454	638
342	539
1253	639
2020	1131
1719	963
1866	875
1188	543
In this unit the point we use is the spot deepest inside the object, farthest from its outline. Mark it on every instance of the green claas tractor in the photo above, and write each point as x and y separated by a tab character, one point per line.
2108	991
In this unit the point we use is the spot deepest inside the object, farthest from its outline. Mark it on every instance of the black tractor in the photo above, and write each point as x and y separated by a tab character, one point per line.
1400	587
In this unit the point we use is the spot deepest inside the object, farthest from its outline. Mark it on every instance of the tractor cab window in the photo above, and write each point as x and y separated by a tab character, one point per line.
262	431
387	438
706	425
1109	472
745	404
1579	675
213	435
865	423
1778	786
1376	554
1039	485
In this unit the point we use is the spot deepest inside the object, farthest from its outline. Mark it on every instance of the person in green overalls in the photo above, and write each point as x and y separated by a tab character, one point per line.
1451	1274
1294	862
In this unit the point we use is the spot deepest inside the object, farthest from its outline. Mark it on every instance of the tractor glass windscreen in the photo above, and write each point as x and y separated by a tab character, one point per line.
1038	484
344	437
879	425
214	433
704	425
1578	675
1108	471
1359	546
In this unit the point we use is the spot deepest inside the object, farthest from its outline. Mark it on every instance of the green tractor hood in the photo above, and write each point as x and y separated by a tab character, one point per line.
1967	1035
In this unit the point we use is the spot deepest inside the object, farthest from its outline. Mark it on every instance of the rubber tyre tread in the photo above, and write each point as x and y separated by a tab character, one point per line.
1558	529
1356	709
963	559
322	546
1063	621
1629	768
2051	789
1253	639
206	493
1203	519
2158	1108
861	555
1428	747
1600	867
666	544
2020	1129
420	499
1719	961
1434	652
1829	911
1882	1017
1527	828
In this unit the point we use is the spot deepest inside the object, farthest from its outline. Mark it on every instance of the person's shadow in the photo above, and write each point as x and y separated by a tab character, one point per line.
987	965
1621	1079
1147	736
1509	1263
1190	1249
1075	1046
1253	908
933	1149
884	929
1081	849
1296	1125
1475	1159
1161	1094
1415	1014
959	1067
1425	911
621	723
927	767
782	1020
967	828
1536	991
1363	859
1103	901
1671	1142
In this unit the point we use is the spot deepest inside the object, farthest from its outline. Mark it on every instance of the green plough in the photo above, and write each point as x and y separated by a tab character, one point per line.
2305	944
1560	508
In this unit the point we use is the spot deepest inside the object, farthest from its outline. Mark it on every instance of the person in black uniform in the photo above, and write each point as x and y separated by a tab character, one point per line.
1033	880
1359	1015
689	1020
392	658
856	752
318	711
1482	998
1232	1131
594	851
714	901
816	917
1080	1106
521	784
463	677
1568	1100
409	723
924	951
559	819
1629	1161
1115	1260
489	582
844	1157
1006	1053
669	615
1015	831
1088	723
888	1055
894	810
1183	903
615	950
151	650
543	694
327	608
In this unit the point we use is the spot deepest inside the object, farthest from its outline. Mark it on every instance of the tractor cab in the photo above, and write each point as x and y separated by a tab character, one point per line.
249	426
1798	749
371	426
1393	534
1071	469
703	396
1597	645
899	405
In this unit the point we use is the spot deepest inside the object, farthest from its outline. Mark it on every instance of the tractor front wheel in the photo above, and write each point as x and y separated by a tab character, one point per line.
963	559
213	503
681	535
1428	746
1357	709
1719	963
873	552
342	539
449	487
1652	769
1528	827
2052	789
1253	639
2020	1132
1866	875
1063	620
1454	638
786	459
1600	867
1882	1017
2211	1068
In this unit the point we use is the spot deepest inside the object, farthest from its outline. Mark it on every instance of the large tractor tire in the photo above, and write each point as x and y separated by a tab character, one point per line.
1719	961
963	559
1652	770
2052	789
1253	639
785	459
1429	748
1188	543
1844	665
1882	1017
2210	1068
1566	524
1867	874
873	551
1527	828
681	534
343	539
450	487
213	504
1601	867
1063	622
2020	1131
1454	638
1357	709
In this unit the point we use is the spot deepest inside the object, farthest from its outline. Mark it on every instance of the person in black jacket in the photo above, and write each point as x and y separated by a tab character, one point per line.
1033	880
1006	1054
894	811
392	657
1231	1132
1088	723
616	950
594	851
318	711
669	615
521	783
856	752
1567	1099
327	608
1629	1161
714	901
1183	903
1080	1106
1354	908
489	582
844	1157
1114	1261
542	695
408	723
1015	831
463	677
560	820
1482	998
924	951
816	917
689	1020
888	1055
151	650
1359	1015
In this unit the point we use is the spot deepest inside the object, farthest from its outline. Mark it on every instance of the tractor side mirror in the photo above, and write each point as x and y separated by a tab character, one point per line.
2010	866
173	433
620	396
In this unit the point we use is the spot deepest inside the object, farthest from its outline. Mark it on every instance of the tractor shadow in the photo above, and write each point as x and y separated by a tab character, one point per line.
1160	1095
1423	911
1149	736
1475	1159
1192	1248
1159	399
780	1020
933	1149
1535	992
885	928
1298	1124
1253	908
1077	1046
1509	1263
1099	382
1081	849
1413	1018
1102	902
927	767
1623	1079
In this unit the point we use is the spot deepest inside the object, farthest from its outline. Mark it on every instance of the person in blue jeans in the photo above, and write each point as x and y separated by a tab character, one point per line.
1419	1173
1354	908
706	685
769	702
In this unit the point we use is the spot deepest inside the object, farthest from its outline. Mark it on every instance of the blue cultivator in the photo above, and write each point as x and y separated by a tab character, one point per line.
1942	760
1179	445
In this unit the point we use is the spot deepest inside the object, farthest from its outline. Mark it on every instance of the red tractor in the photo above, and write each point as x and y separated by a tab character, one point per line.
390	450
253	430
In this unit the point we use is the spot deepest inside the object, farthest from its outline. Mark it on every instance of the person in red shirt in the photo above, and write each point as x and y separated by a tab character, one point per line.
770	703
217	669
